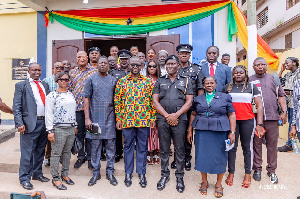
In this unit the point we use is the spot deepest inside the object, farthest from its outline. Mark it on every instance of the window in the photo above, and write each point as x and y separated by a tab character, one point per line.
288	41
262	18
243	1
291	3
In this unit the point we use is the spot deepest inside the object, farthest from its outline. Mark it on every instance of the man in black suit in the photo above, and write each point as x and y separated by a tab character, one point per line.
29	116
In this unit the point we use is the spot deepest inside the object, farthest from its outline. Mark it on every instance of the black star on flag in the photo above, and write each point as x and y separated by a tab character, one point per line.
129	21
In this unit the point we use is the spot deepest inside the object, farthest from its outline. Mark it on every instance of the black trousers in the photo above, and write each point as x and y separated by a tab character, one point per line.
245	130
86	143
187	145
119	142
177	133
32	152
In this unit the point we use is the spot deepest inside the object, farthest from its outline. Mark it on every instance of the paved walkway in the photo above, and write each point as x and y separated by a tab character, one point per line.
288	186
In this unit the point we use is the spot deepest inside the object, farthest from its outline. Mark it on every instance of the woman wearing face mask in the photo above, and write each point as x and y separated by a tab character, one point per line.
243	93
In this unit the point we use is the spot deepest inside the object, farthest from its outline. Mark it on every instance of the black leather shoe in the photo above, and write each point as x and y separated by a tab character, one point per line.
60	187
90	166
78	163
162	183
27	185
128	180
112	179
188	165
47	162
173	165
118	158
69	182
94	179
273	178
257	175
180	185
143	180
41	179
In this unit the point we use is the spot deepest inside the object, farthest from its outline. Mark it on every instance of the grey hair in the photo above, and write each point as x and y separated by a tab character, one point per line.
60	74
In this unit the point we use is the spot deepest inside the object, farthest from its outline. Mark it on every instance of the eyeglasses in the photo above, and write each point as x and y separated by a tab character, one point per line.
64	80
61	68
152	66
135	65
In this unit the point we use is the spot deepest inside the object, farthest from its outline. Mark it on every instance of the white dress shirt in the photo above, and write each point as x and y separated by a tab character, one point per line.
39	103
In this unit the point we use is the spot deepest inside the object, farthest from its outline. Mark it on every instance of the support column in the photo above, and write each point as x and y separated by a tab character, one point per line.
252	34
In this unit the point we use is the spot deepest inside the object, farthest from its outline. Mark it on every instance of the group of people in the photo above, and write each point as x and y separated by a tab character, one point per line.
151	103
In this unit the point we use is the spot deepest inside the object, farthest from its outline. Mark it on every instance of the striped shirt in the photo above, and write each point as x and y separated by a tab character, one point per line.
242	101
77	82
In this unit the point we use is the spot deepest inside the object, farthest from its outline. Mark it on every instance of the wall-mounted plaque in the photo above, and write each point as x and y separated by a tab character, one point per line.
19	69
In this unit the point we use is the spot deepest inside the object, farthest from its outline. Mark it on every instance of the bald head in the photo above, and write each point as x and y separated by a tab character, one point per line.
82	59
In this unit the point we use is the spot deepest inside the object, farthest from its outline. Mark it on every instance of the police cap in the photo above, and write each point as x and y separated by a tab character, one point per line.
184	48
124	53
94	49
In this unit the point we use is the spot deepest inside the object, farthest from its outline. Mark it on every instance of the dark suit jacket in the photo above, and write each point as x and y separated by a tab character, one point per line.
24	105
219	107
222	74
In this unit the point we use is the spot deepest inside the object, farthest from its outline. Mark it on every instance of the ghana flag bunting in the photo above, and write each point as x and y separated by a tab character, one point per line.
144	19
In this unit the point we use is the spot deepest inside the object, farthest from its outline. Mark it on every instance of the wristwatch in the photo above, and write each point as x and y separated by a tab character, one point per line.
284	111
50	131
259	124
232	132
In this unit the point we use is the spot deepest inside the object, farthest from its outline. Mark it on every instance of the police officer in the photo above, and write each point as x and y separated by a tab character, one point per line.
172	98
124	56
118	73
194	73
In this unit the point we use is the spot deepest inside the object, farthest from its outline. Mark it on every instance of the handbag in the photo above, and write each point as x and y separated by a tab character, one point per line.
76	146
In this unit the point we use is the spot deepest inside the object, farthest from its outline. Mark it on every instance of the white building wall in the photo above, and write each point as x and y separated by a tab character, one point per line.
277	14
296	40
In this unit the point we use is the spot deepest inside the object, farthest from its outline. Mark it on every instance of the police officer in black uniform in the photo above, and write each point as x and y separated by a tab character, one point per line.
194	73
118	73
172	98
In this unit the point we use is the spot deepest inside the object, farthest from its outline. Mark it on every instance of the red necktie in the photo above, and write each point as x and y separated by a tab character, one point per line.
212	70
42	94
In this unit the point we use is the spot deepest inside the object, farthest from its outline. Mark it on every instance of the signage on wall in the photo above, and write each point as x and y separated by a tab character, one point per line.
20	68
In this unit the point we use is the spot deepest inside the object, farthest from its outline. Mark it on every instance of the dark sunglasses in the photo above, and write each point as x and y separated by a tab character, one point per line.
61	68
64	80
137	65
150	66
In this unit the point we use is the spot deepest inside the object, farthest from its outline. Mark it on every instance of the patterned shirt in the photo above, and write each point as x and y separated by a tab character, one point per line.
51	83
288	81
60	109
296	113
77	82
133	101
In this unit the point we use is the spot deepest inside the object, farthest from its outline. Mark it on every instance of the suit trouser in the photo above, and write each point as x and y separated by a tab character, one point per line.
272	133
86	143
32	152
177	133
64	140
141	136
245	130
110	147
119	142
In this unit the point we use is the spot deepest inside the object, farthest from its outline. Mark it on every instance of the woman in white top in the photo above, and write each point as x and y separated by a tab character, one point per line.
60	124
